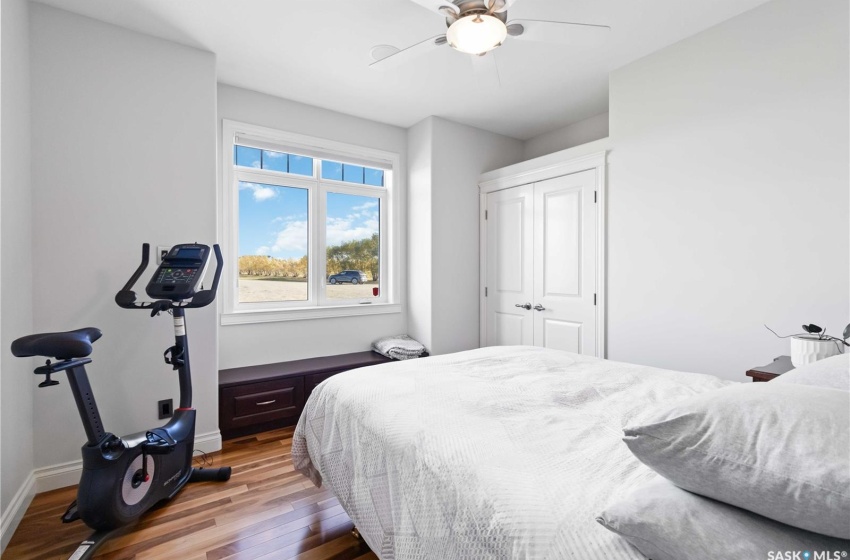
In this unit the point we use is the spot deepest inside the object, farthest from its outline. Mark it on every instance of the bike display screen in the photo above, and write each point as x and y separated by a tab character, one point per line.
189	254
180	272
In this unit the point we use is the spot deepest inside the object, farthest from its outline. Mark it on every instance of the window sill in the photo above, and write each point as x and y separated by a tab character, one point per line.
299	314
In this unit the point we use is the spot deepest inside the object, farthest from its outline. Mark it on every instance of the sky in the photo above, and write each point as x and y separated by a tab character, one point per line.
273	220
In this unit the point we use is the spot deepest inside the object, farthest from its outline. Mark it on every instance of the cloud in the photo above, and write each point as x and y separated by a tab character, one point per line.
365	206
340	230
261	192
293	237
290	218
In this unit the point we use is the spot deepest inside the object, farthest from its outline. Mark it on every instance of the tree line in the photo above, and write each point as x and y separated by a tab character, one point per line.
360	254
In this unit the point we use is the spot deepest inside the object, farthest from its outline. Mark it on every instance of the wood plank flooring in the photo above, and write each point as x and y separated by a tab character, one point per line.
267	511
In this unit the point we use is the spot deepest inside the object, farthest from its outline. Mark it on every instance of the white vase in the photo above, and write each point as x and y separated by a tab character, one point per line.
808	349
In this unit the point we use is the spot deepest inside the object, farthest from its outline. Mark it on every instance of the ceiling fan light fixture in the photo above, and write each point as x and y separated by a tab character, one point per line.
477	33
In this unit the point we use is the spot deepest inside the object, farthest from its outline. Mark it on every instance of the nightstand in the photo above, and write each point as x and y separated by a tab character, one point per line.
777	367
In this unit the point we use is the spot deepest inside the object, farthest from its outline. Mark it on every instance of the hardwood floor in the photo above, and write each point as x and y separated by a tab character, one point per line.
266	511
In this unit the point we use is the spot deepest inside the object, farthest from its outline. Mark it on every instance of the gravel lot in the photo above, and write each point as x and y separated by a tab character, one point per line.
255	290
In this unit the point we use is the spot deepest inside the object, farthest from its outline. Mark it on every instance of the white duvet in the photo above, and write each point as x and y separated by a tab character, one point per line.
502	452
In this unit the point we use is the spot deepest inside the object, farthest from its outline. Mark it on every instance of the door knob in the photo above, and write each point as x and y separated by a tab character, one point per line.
539	307
525	306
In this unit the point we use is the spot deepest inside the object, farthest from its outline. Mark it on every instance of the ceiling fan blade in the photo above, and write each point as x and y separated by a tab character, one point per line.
442	7
403	56
563	32
499	6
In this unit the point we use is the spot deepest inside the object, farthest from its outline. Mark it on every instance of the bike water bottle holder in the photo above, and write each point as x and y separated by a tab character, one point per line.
174	357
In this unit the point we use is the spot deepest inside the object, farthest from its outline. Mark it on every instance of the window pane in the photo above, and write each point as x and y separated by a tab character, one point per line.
273	242
353	247
301	165
374	177
247	157
352	173
274	161
332	170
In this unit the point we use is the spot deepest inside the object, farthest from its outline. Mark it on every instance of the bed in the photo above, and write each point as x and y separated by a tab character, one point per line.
500	452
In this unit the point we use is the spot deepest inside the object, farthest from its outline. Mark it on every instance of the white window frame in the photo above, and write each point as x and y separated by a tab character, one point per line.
317	304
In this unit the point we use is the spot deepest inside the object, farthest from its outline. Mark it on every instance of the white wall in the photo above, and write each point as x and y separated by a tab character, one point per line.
459	154
123	152
420	151
262	343
16	380
575	134
728	191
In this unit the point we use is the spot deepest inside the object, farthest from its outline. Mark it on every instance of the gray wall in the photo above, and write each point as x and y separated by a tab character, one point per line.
576	134
728	191
728	199
123	152
16	382
449	158
419	155
263	343
461	154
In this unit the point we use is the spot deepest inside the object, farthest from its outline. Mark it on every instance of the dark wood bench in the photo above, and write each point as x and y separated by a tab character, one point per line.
258	398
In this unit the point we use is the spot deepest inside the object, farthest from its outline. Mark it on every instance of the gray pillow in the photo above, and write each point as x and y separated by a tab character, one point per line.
833	372
779	450
665	522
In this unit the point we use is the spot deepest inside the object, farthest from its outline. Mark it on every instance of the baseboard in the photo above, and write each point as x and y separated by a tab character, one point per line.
57	476
60	476
68	474
15	512
209	442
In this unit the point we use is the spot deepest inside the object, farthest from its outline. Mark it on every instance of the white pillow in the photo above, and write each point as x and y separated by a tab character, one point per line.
778	450
832	372
665	522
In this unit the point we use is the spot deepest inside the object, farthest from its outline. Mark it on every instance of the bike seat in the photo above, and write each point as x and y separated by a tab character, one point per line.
60	345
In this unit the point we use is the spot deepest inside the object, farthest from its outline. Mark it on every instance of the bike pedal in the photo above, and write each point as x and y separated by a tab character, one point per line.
71	514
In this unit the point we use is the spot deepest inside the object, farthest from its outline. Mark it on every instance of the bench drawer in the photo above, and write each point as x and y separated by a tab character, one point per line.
261	402
270	396
312	381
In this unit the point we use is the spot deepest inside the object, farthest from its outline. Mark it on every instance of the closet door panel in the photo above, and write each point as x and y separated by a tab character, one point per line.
510	262
562	335
565	263
562	242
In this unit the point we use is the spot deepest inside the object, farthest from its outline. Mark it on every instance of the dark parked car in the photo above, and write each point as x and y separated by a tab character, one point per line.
353	276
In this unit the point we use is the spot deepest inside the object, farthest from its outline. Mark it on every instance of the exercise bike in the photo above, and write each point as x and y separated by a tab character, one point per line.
123	477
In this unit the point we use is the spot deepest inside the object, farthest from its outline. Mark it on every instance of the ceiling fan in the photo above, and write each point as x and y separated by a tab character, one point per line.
477	27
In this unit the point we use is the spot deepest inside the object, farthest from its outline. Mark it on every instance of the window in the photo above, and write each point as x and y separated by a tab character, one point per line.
310	224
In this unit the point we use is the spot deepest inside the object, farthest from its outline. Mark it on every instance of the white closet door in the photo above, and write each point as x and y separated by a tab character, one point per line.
510	267
565	263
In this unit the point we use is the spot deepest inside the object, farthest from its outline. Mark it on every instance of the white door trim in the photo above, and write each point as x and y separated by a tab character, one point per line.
505	179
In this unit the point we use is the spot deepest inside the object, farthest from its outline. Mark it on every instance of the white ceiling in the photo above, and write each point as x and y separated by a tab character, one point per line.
317	52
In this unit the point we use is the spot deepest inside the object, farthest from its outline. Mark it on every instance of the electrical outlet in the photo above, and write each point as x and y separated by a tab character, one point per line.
161	251
165	408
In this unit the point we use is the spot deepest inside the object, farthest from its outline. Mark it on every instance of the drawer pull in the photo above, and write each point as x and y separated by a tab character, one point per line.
267	402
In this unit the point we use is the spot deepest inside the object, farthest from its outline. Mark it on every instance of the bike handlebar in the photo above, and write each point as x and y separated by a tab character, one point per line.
126	298
146	254
206	297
